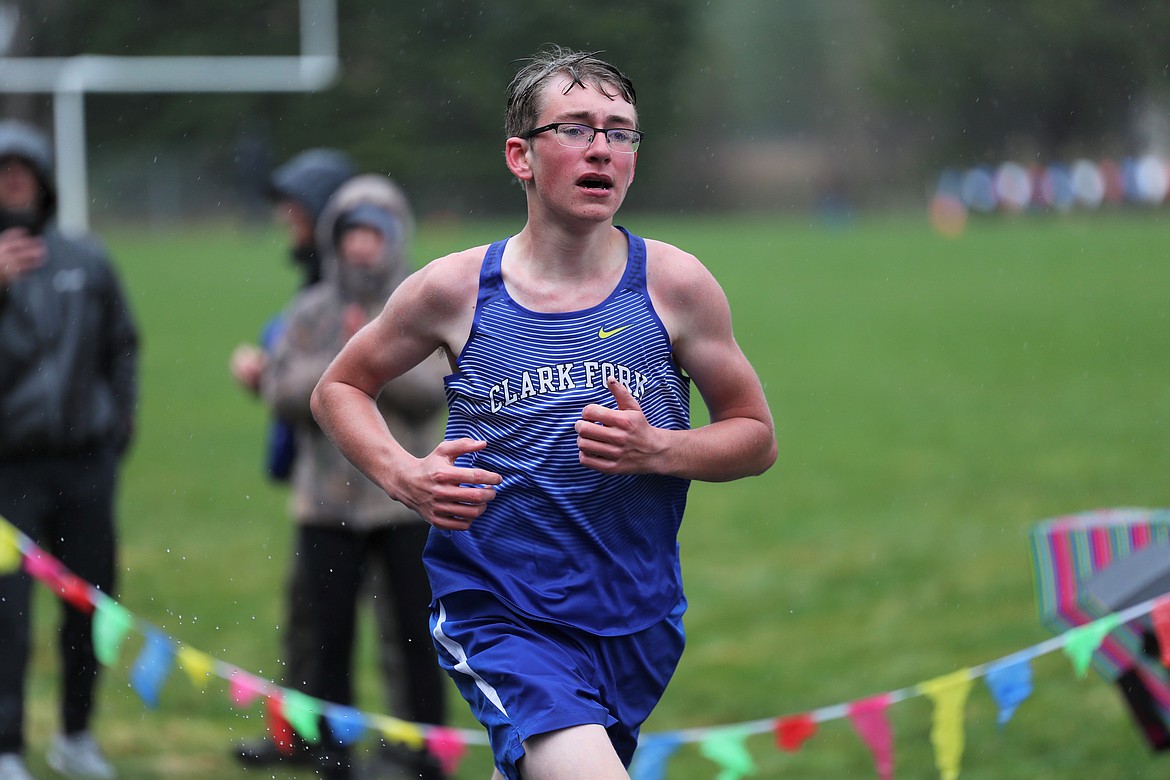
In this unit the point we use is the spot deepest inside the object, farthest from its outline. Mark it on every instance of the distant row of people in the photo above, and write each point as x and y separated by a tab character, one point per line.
1082	184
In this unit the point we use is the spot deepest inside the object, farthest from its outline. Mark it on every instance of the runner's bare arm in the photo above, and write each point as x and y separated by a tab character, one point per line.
740	439
429	311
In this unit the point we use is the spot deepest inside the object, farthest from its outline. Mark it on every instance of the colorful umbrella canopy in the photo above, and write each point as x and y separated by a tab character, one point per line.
1068	554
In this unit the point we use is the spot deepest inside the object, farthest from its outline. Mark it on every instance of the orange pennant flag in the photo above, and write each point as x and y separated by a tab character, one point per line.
279	729
792	732
1162	628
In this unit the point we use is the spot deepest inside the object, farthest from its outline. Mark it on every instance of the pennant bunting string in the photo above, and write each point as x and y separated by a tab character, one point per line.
1008	679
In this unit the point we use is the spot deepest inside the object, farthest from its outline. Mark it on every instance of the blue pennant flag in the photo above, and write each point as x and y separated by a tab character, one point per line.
152	667
1010	682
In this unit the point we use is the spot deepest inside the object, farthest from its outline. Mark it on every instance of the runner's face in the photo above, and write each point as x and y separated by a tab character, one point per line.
588	182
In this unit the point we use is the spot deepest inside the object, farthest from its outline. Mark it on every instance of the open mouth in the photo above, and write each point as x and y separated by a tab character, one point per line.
595	183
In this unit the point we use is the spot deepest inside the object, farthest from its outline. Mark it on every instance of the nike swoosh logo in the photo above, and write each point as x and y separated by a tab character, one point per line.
602	333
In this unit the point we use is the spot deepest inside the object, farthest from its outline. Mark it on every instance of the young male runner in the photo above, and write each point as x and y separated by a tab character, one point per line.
556	498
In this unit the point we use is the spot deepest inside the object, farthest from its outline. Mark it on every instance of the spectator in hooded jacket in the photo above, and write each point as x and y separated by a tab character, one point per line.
68	391
345	523
298	190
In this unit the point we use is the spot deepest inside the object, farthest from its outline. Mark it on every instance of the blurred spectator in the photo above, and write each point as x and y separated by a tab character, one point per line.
68	390
344	521
299	190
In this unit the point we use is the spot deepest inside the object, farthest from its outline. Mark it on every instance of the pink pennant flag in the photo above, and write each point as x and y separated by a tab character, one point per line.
44	567
245	688
868	717
448	746
792	732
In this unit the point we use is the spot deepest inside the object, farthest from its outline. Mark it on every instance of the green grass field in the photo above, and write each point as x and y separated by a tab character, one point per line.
934	398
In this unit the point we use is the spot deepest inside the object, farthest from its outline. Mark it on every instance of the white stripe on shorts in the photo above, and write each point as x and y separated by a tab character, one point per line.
460	655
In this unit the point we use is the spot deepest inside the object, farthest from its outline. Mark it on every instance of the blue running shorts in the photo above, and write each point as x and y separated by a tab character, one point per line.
524	677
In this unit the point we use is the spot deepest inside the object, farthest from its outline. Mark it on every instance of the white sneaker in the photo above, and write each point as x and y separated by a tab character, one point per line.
12	767
78	755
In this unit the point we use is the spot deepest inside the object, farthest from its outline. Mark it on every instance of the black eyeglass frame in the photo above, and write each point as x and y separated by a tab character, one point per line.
556	126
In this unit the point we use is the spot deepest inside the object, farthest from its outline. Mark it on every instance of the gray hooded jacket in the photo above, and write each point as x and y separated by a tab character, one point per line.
326	488
68	342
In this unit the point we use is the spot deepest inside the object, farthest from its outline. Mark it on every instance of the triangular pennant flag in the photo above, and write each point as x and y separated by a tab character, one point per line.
1081	642
651	756
727	749
868	717
44	567
401	731
9	548
198	666
302	711
76	592
245	688
949	694
448	746
111	623
1010	683
1161	618
346	725
794	731
152	667
279	730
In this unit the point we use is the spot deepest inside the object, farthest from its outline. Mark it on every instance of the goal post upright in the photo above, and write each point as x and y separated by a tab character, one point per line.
68	79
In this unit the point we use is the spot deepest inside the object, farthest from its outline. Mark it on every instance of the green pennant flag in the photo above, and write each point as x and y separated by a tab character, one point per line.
302	711
111	623
726	748
1081	642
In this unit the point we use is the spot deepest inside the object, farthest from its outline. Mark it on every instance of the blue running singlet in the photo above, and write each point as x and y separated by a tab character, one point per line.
561	542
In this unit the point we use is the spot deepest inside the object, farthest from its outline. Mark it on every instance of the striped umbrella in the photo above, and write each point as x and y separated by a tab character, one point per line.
1070	551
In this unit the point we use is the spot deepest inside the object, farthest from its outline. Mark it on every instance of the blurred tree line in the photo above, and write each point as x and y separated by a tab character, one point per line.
761	103
1028	78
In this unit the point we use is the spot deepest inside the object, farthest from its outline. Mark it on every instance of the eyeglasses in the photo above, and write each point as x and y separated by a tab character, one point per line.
620	139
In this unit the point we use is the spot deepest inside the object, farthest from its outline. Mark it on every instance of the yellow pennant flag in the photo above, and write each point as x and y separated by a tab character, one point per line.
198	666
949	694
9	549
401	731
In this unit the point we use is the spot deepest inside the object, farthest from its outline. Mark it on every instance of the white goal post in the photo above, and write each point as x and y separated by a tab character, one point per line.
70	78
